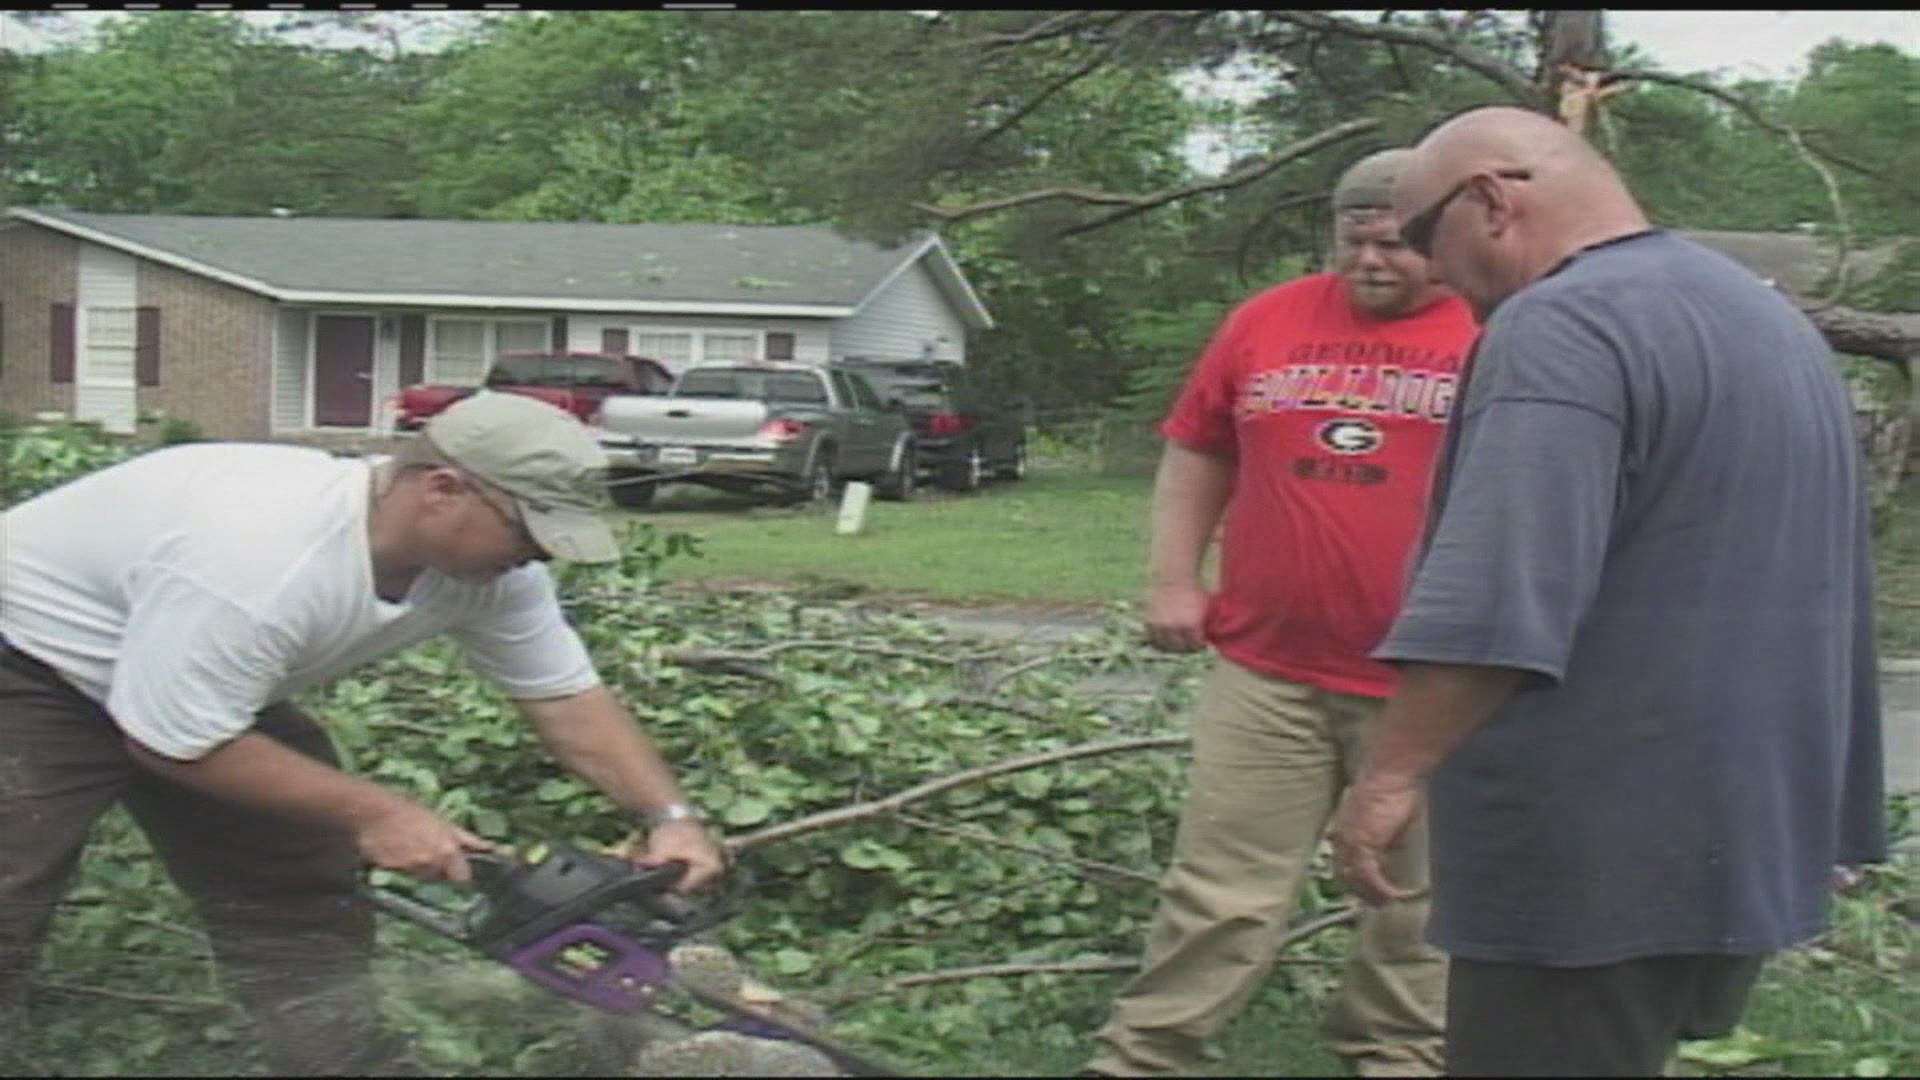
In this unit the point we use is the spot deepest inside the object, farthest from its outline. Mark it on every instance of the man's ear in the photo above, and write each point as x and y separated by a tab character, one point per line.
1496	202
442	482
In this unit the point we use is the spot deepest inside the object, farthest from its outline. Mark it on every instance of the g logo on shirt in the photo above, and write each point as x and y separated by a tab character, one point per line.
1349	435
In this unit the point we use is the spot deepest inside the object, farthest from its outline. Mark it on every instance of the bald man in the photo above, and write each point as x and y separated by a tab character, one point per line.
1637	654
1310	423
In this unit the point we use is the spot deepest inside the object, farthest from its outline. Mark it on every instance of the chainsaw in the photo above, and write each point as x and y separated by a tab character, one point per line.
597	929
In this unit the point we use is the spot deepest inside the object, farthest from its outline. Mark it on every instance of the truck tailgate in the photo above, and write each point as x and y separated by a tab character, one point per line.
681	421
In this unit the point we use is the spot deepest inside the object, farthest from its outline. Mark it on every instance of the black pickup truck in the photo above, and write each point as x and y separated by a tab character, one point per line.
962	433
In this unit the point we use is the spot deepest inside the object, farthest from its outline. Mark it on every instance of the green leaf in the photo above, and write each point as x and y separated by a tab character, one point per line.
798	962
1873	1066
743	812
1735	1051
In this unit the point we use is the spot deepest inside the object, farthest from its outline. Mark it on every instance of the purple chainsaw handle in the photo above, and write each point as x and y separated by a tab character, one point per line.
624	982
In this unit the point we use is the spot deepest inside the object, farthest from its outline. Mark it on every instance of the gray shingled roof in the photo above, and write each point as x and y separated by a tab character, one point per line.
754	264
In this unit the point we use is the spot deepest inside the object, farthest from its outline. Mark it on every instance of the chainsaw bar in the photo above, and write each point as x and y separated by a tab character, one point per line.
597	929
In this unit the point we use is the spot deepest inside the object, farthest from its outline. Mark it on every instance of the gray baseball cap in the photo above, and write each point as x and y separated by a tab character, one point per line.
1368	183
540	456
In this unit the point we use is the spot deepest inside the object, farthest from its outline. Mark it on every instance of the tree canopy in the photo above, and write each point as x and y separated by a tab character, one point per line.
1051	148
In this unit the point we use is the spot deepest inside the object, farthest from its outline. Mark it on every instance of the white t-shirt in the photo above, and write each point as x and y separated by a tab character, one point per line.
188	588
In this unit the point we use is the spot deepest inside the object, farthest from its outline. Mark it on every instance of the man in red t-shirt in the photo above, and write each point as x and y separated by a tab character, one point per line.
1311	422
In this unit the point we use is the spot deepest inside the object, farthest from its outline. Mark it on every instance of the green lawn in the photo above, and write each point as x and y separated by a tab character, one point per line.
1059	536
1063	536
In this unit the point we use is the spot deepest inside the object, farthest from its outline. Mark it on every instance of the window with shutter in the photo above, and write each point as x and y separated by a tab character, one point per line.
60	345
146	346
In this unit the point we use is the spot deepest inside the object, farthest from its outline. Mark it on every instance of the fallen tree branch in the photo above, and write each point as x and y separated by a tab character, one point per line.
890	804
1338	917
163	1000
1893	338
1012	708
1135	204
699	657
1022	668
981	836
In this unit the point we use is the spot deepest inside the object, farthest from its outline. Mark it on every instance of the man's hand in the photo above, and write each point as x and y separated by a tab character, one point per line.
414	840
1177	617
1373	815
684	841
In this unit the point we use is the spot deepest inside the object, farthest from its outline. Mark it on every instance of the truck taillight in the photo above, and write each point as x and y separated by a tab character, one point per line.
782	430
947	424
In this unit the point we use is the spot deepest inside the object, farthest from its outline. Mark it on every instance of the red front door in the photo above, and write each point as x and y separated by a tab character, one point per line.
343	370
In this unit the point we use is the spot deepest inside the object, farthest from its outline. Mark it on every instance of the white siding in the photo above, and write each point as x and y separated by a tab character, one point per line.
103	389
290	370
809	335
899	322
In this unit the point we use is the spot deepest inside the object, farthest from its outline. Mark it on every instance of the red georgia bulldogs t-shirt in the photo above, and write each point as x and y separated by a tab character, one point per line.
1333	419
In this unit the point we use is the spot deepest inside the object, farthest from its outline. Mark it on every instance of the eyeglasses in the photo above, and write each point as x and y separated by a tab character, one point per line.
1417	231
508	510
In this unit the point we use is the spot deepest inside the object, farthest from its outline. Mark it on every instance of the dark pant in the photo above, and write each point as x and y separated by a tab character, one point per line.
291	933
1620	1019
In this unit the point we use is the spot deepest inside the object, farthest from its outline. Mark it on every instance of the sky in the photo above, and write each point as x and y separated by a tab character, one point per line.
1736	44
1754	44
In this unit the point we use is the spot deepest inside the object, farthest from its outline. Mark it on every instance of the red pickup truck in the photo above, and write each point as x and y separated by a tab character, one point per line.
575	381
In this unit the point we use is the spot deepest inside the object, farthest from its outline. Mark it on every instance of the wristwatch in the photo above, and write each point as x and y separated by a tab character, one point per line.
671	812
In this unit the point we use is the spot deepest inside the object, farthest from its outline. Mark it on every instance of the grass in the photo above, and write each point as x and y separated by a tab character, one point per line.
1061	536
1897	575
1065	536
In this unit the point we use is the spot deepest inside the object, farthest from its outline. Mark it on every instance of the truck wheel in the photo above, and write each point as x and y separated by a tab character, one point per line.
965	474
630	490
817	489
1016	469
898	485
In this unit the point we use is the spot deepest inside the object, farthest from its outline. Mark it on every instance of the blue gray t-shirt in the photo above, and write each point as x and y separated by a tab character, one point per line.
1651	499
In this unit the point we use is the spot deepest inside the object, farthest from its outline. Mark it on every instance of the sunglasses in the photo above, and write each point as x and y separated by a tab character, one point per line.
1417	231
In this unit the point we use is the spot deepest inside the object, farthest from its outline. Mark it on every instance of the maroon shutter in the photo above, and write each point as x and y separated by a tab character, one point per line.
61	341
146	346
779	346
559	333
614	341
413	349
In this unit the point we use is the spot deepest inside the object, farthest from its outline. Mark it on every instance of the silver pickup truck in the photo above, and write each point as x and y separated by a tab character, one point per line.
794	430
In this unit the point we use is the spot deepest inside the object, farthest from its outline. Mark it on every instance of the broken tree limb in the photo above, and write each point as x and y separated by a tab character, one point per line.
981	836
1510	78
873	808
1338	917
720	657
166	1001
1135	204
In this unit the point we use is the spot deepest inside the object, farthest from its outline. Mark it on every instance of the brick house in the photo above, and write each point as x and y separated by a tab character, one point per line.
268	328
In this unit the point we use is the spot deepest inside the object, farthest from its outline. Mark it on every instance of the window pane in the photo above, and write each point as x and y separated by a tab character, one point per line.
796	388
520	337
111	327
722	348
863	393
109	364
459	348
675	351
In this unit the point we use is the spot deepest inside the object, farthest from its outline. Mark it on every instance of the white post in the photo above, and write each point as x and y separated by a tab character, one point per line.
853	507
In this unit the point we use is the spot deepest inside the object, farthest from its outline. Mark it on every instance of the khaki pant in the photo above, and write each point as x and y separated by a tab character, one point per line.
1270	760
281	901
